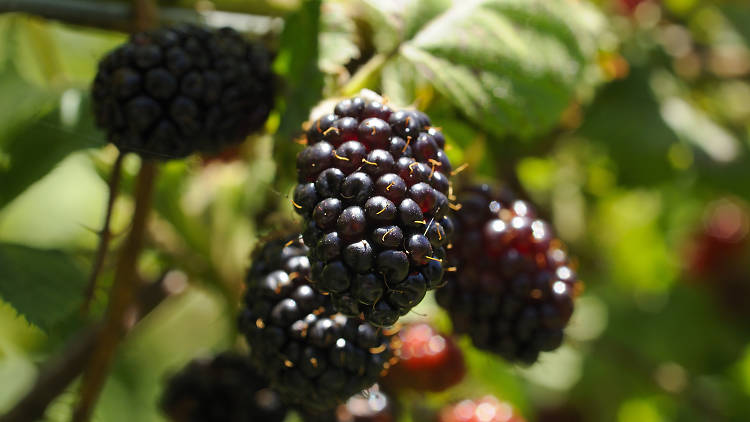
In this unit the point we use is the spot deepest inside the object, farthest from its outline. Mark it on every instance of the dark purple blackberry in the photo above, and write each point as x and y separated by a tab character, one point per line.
222	389
313	356
374	201
514	289
170	92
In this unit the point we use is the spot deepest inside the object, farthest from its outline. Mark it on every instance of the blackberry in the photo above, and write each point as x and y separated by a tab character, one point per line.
170	92
313	356
428	360
373	186
372	405
513	291
486	409
221	389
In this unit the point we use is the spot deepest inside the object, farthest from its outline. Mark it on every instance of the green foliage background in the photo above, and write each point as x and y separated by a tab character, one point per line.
620	125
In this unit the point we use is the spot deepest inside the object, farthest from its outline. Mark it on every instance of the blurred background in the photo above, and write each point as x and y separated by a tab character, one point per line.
627	122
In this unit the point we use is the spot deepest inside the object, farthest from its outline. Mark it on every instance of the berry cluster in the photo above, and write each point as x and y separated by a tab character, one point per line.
313	356
222	389
428	360
514	291
372	190
173	91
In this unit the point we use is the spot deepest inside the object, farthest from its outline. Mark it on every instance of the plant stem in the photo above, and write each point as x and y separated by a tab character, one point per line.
62	369
107	15
121	297
119	15
106	234
145	14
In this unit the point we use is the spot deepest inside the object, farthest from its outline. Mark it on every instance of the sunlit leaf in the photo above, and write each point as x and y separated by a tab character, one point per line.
336	39
510	66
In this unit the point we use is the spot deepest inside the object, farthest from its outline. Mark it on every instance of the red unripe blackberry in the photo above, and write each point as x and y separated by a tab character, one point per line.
721	240
428	360
561	413
223	389
314	357
513	289
170	92
486	409
629	6
718	254
372	405
374	202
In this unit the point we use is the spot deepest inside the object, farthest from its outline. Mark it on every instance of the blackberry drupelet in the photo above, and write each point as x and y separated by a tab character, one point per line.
513	291
315	357
222	389
170	92
373	186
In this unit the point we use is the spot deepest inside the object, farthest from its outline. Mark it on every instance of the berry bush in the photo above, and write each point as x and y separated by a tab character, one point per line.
375	211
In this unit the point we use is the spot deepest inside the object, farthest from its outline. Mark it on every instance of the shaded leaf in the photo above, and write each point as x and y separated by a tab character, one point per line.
43	285
626	120
739	15
298	63
36	147
20	102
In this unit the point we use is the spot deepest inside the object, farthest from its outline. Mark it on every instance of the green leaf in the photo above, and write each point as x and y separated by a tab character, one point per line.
382	18
336	38
417	13
399	81
739	16
43	285
510	66
298	63
626	120
20	102
36	147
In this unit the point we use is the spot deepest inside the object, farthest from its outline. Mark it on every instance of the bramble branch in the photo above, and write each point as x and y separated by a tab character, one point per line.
121	298
106	234
123	16
62	369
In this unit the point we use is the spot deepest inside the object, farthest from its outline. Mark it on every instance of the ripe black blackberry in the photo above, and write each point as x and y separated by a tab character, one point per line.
222	389
514	288
372	190
313	356
173	91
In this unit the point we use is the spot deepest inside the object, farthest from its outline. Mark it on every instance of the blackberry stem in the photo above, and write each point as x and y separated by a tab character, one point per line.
122	295
105	235
119	15
112	16
146	14
58	372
